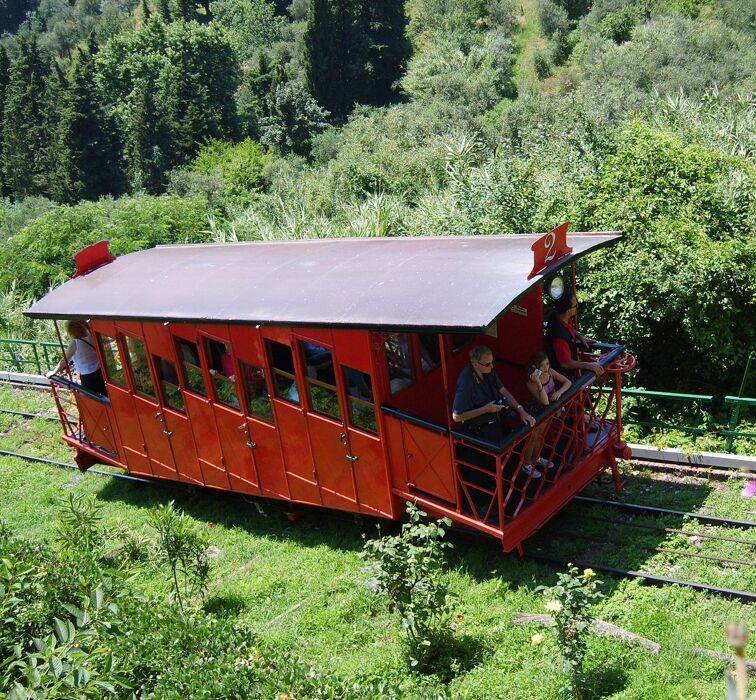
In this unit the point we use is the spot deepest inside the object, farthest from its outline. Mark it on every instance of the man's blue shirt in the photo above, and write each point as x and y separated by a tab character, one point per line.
473	392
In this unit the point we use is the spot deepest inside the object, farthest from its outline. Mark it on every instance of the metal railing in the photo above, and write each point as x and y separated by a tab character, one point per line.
32	356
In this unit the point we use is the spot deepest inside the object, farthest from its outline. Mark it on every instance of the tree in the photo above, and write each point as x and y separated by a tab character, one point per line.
13	12
337	48
294	118
170	88
87	166
389	49
4	78
354	52
23	137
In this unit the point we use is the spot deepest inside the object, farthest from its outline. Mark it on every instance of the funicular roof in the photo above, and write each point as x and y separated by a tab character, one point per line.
442	283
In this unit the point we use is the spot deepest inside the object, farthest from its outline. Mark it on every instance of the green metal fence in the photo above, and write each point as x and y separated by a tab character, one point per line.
29	356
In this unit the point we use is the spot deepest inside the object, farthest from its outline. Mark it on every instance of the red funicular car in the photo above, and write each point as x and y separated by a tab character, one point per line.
322	372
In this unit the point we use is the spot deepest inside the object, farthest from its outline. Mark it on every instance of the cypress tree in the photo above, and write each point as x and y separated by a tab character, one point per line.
389	48
87	165
165	10
23	137
336	54
50	156
4	78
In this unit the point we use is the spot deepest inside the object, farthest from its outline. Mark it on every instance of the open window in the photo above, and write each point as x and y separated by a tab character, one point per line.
284	375
222	372
191	368
112	357
321	379
168	382
256	390
398	351
139	366
430	353
459	340
360	399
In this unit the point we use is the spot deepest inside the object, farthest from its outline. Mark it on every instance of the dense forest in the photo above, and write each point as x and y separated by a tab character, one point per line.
155	121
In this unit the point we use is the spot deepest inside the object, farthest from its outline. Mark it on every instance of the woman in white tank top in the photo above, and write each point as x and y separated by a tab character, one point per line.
81	350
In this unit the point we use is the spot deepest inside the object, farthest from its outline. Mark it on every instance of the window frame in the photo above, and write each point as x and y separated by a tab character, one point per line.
132	377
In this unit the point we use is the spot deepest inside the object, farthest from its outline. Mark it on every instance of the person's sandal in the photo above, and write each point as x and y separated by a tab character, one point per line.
531	472
544	463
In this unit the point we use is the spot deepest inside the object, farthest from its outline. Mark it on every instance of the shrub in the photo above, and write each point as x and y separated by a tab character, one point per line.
569	603
41	254
553	18
408	570
542	63
183	548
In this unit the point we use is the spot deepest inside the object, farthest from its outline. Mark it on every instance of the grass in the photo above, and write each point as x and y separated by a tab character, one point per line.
301	584
527	41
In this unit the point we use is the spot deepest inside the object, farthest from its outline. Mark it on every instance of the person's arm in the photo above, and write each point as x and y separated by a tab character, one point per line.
490	407
537	391
563	355
512	401
67	355
564	385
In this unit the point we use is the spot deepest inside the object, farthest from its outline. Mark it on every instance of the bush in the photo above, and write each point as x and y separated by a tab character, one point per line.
408	570
542	63
553	18
41	254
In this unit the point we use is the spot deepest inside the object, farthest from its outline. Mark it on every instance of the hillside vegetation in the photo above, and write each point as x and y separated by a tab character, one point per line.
225	120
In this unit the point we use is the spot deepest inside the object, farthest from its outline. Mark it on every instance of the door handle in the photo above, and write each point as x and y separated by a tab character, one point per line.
352	458
251	444
168	432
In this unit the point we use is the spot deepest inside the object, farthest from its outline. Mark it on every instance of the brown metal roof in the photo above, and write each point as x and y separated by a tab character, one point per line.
444	283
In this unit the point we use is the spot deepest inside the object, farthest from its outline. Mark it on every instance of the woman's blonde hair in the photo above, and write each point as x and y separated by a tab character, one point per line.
76	329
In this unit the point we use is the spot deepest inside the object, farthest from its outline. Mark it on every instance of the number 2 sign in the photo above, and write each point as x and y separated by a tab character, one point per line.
549	248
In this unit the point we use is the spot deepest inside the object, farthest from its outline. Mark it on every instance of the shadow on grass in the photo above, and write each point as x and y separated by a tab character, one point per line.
607	680
225	604
453	655
581	533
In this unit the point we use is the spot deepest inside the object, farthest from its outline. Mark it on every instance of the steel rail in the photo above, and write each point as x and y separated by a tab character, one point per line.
674	530
649	548
29	415
650	578
68	465
665	511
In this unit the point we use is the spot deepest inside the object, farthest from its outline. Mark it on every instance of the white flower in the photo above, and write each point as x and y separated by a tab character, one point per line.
554	606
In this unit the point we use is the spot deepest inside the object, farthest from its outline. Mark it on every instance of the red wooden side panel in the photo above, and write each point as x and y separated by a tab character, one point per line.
182	445
334	470
158	447
429	464
353	349
206	440
373	490
300	469
240	470
268	459
129	430
397	459
94	416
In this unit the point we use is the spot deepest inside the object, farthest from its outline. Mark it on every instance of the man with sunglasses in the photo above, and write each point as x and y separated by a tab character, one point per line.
478	398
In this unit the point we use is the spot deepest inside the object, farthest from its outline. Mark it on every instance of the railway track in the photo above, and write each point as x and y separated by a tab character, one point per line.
538	554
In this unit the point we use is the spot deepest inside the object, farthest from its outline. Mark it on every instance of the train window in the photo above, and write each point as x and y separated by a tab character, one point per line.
222	372
169	384
459	340
360	398
194	379
284	377
320	379
258	398
430	355
113	364
399	358
140	368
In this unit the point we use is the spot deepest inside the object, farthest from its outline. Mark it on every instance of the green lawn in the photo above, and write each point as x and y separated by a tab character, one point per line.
301	584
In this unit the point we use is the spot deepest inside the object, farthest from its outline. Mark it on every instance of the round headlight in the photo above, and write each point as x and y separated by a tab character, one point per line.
556	288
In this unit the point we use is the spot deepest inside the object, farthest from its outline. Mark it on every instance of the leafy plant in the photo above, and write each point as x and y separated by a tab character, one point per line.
182	547
570	601
408	569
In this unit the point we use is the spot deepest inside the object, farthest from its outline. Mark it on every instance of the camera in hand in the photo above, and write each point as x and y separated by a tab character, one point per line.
501	401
